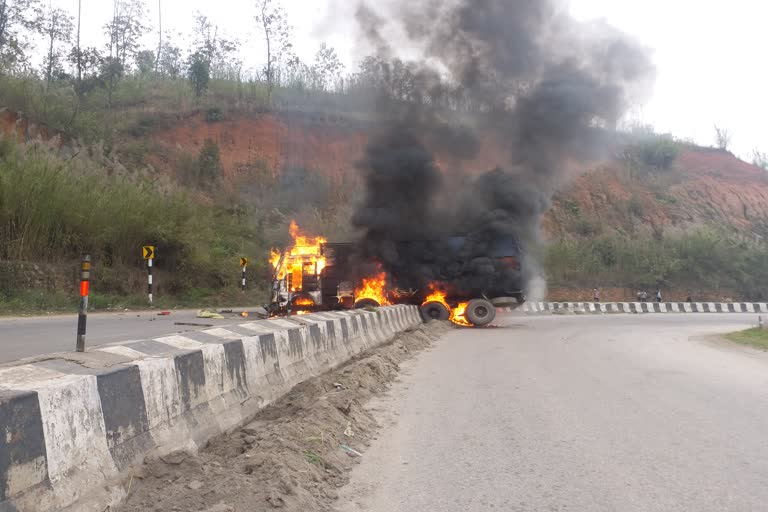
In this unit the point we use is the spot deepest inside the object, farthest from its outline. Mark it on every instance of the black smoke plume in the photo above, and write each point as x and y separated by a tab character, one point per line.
523	73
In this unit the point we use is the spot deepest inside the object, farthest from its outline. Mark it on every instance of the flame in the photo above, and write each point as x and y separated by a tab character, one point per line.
457	314
374	288
304	301
305	253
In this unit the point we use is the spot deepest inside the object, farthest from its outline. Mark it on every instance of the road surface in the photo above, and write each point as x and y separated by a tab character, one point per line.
35	336
608	413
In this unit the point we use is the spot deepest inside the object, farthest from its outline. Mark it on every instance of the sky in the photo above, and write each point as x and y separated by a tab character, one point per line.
709	54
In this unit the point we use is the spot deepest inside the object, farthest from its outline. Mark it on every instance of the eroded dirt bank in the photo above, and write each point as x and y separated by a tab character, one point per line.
294	455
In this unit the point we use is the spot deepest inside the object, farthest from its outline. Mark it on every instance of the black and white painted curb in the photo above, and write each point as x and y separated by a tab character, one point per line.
644	307
67	428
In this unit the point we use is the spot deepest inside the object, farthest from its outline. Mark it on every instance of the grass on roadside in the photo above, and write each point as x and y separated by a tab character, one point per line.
755	337
41	302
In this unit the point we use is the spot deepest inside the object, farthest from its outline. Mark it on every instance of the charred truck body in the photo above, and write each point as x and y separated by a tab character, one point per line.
333	276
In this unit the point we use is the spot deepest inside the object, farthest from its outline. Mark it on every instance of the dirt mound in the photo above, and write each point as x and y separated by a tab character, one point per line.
293	455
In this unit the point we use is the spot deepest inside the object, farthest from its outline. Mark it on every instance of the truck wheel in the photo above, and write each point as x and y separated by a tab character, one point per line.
367	303
434	310
480	312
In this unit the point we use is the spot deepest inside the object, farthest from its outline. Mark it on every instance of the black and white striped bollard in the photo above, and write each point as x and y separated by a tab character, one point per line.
149	279
244	264
85	285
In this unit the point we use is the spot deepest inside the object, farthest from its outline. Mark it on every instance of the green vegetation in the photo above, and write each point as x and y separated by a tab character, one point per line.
54	210
688	260
756	337
654	151
25	301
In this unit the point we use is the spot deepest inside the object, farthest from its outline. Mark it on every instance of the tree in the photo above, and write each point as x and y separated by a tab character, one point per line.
57	26
218	51
327	66
722	138
145	62
90	63
760	159
170	62
125	30
273	20
209	163
16	17
199	73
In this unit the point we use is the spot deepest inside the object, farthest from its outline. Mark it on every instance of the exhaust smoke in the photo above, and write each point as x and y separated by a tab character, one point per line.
520	73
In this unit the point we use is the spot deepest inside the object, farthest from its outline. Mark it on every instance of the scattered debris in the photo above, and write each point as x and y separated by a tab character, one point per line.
164	313
191	324
351	451
210	314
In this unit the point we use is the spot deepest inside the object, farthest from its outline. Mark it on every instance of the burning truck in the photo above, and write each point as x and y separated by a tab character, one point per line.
315	275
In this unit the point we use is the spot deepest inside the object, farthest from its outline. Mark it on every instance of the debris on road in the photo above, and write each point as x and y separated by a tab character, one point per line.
192	324
294	454
164	313
210	314
351	451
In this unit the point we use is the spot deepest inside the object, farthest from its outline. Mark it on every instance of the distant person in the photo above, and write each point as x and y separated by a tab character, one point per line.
689	298
639	295
658	296
643	296
596	295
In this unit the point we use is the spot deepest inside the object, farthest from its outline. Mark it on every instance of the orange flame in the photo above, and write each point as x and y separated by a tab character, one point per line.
304	302
457	313
374	288
304	256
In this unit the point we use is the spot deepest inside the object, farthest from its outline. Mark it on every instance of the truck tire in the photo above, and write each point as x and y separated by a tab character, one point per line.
480	312
367	303
434	310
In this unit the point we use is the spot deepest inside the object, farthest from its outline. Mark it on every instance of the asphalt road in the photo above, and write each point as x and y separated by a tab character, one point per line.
613	413
35	336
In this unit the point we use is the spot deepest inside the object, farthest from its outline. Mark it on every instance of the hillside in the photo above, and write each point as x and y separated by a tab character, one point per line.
619	224
702	187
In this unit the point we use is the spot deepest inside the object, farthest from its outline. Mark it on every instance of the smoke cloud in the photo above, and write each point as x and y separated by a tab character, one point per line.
523	73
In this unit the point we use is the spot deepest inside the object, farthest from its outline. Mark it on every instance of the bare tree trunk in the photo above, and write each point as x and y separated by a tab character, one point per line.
3	23
160	43
79	54
79	63
49	67
265	23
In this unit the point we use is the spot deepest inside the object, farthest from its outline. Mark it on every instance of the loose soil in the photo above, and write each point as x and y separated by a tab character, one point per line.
294	455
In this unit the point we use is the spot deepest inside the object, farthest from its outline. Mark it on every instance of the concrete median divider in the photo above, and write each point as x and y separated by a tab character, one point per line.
642	307
73	425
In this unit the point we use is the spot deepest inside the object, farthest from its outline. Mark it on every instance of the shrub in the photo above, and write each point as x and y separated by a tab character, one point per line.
214	115
655	151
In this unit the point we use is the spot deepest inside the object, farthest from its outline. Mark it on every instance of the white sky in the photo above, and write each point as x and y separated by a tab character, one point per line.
710	54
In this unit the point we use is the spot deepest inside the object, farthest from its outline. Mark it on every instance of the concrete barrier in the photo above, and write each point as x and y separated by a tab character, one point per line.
70	425
643	307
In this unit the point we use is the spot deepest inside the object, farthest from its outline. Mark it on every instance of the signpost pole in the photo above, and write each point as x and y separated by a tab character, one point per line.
244	264
82	317
149	279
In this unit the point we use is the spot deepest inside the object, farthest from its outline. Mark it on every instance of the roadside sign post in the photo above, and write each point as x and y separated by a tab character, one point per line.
148	251
85	284
244	264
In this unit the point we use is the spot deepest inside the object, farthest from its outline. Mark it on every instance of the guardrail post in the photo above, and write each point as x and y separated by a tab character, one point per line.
85	285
